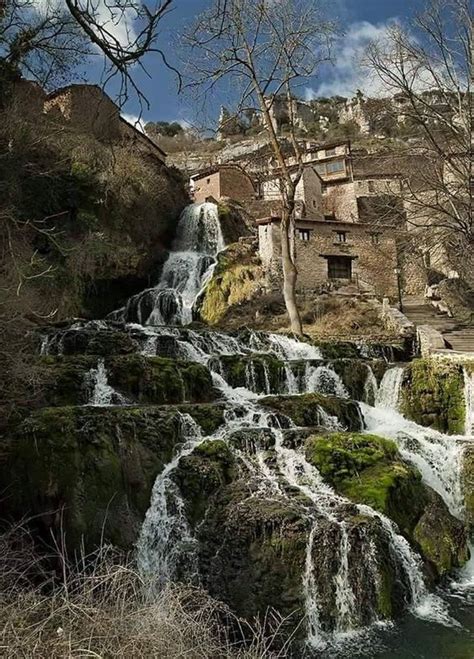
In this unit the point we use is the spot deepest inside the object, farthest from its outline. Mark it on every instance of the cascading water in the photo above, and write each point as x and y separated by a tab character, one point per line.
101	393
168	548
187	270
388	393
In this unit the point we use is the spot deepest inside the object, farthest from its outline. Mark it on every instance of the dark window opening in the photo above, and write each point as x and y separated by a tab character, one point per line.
374	238
341	236
371	185
208	180
314	203
330	152
339	267
304	234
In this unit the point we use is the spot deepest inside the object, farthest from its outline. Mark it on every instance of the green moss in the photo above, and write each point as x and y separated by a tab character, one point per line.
140	379
267	371
91	470
236	279
441	538
368	469
305	410
201	474
433	395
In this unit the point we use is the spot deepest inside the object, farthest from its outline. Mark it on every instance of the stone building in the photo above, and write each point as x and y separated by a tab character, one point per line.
330	253
88	109
222	181
308	192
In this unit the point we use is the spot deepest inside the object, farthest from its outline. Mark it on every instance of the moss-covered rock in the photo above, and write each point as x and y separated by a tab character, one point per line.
467	482
262	373
237	278
369	470
440	537
89	341
66	380
305	410
433	394
89	471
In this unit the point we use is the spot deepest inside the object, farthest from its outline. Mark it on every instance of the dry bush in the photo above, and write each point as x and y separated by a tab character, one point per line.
99	607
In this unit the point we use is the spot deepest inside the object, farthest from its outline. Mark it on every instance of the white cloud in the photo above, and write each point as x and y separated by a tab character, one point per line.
120	24
345	76
136	121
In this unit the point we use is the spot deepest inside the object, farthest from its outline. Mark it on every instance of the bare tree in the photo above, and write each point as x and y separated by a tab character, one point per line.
50	41
428	67
262	50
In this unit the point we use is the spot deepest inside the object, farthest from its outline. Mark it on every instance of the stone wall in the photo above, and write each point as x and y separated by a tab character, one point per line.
229	182
340	201
308	192
27	99
87	108
207	186
372	263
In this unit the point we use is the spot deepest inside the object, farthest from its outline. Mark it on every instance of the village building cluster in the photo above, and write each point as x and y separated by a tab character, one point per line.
349	224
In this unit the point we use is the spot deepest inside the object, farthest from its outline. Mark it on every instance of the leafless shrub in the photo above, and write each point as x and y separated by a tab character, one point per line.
99	606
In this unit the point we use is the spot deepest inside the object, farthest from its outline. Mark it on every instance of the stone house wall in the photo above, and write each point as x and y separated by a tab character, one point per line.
87	108
223	182
340	201
308	191
207	186
372	263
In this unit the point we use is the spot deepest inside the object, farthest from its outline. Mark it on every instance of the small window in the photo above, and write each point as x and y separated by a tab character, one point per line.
341	236
336	166
314	203
330	152
208	180
374	238
371	185
304	234
321	168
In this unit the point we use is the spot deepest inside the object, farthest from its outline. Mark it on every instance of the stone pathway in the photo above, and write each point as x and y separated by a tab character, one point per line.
458	336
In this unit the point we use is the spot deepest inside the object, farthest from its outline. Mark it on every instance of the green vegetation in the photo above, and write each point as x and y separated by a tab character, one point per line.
305	410
433	395
236	279
369	470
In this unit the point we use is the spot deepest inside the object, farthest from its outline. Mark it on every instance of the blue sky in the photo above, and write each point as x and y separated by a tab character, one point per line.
361	21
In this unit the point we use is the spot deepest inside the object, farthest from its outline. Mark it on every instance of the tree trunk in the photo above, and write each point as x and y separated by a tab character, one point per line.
290	274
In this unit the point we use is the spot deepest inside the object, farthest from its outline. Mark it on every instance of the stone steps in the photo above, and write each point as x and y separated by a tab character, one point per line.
458	336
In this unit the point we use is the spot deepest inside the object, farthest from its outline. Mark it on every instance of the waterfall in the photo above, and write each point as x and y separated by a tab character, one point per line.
323	380
469	399
371	387
291	382
102	394
185	273
388	394
165	533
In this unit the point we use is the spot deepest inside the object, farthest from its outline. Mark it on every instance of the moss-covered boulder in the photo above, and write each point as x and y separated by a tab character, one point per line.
261	373
433	394
237	279
88	472
313	410
89	339
254	542
467	482
369	470
252	552
66	380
